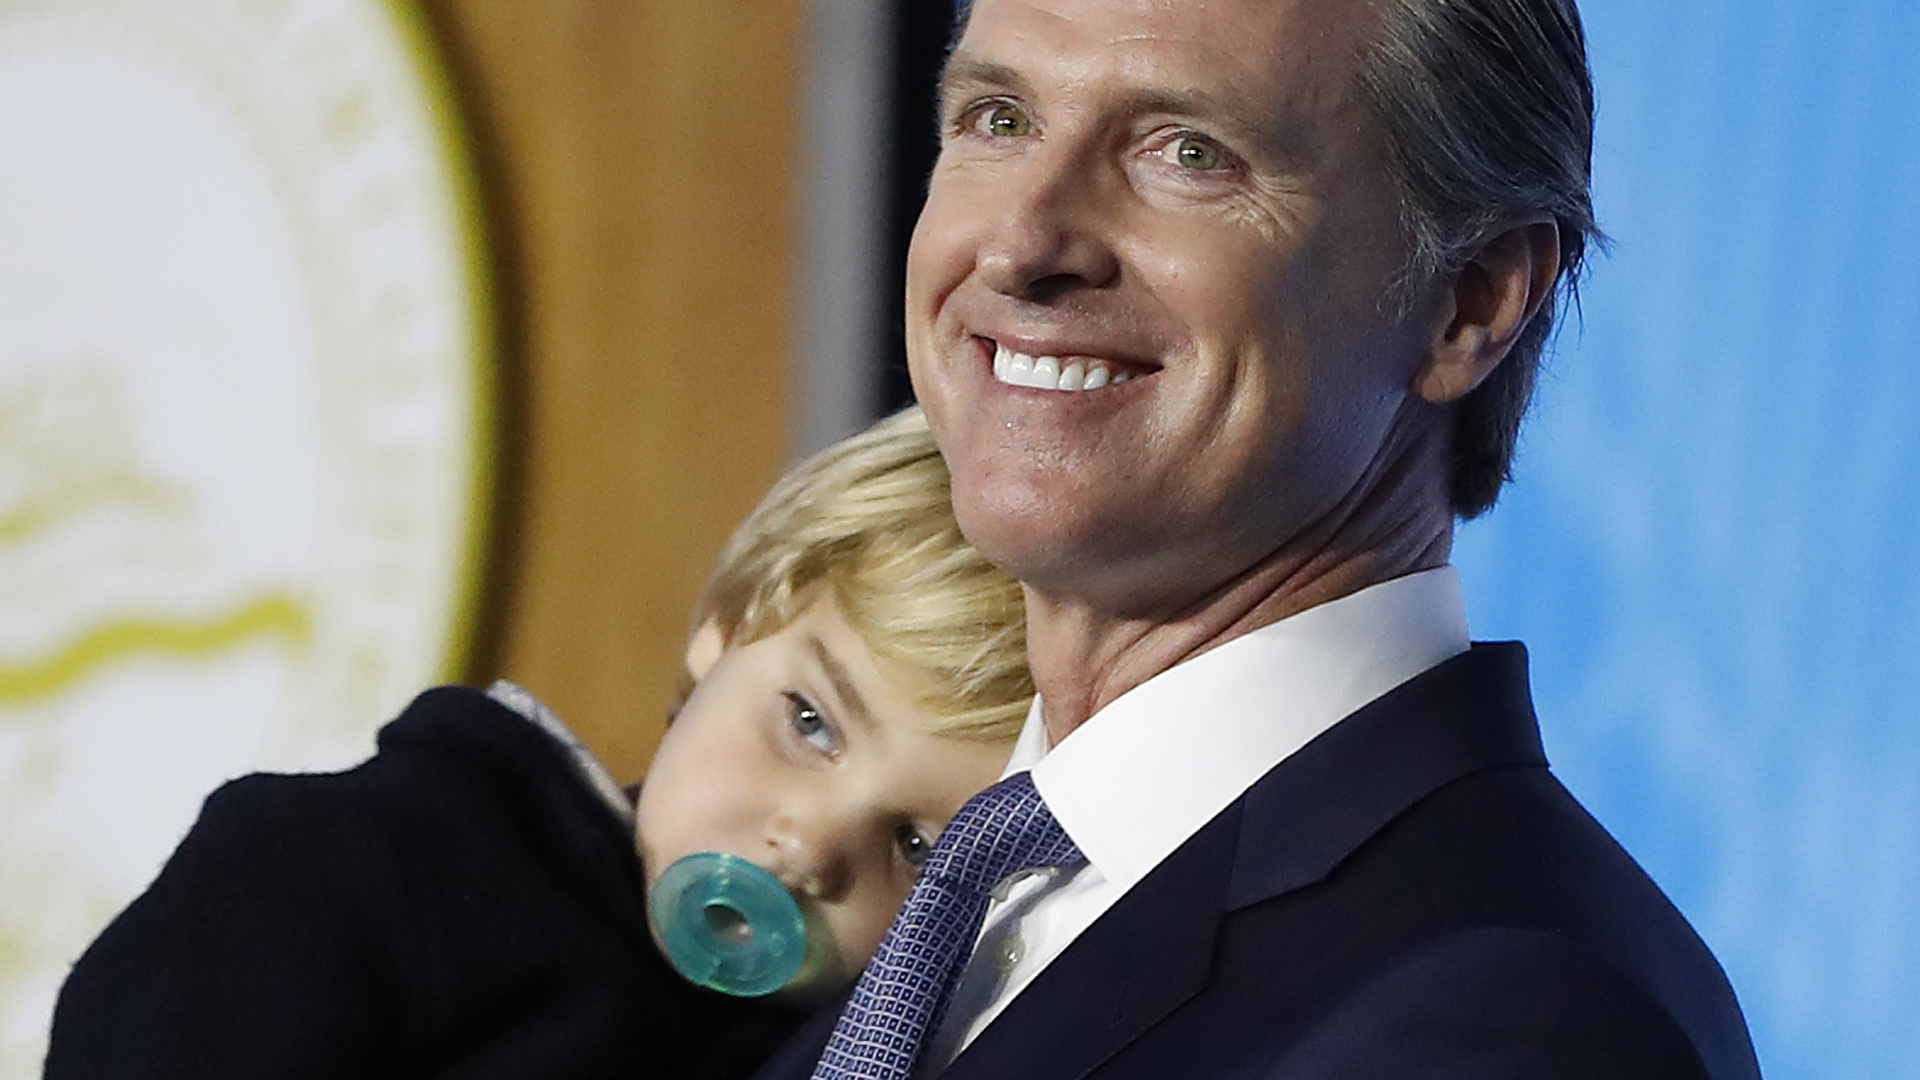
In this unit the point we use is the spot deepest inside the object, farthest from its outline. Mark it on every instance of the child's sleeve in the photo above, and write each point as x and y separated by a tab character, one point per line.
269	945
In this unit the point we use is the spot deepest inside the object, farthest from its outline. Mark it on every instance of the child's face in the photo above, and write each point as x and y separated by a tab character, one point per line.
800	752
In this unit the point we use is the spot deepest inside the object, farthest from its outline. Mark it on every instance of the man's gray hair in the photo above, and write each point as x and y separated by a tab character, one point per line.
1487	108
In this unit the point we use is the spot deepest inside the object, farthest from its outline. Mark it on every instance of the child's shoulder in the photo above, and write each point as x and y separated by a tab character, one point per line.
459	777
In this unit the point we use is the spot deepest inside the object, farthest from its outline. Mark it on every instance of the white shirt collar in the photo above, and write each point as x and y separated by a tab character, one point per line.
1146	772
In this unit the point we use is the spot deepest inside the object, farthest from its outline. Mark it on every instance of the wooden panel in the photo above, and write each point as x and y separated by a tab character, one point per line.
637	157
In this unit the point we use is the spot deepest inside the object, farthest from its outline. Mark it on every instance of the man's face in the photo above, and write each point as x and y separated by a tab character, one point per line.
804	754
1181	206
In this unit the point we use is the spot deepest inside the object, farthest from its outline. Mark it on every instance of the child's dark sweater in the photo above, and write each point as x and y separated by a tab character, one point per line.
465	904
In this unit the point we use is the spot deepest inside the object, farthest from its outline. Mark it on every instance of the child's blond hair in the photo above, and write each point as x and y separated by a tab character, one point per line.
869	520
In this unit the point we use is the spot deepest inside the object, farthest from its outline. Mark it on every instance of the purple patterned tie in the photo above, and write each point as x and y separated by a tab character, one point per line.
904	991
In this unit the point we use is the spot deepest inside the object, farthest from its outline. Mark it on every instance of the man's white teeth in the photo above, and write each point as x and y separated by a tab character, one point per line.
1048	373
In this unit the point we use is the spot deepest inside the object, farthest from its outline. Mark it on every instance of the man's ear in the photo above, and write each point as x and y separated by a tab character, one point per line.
1486	307
704	649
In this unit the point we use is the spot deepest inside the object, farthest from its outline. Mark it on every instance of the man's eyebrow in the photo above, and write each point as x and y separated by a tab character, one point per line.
844	686
969	72
1181	102
1246	114
1243	115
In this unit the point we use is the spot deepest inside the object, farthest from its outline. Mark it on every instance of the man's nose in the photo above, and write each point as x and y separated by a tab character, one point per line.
1051	234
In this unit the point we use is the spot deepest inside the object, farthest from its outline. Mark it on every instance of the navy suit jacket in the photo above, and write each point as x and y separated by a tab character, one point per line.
1412	894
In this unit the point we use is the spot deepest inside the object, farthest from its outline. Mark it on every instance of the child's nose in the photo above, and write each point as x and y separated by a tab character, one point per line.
809	854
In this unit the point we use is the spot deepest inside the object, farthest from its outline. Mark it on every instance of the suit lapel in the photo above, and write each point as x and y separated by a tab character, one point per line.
1153	950
1312	810
1138	962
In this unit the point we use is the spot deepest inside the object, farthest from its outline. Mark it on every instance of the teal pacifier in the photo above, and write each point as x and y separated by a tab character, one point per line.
728	925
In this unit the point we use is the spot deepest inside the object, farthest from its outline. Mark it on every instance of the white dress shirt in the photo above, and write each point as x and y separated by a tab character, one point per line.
1146	772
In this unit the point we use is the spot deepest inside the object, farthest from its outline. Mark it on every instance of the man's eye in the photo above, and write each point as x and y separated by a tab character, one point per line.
1197	152
810	725
914	846
1004	121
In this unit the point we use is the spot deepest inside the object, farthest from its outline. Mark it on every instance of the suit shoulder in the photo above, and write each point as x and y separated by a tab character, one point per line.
286	819
1495	1002
1509	861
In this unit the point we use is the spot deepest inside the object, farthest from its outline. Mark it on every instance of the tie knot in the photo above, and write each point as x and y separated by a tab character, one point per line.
1002	830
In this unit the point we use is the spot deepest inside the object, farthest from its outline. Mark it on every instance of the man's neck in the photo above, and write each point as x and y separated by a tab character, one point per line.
1083	658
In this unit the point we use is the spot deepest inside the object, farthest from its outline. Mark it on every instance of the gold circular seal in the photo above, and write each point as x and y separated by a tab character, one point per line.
245	412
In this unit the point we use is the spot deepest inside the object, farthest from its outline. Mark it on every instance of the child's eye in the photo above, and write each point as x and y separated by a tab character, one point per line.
808	723
914	845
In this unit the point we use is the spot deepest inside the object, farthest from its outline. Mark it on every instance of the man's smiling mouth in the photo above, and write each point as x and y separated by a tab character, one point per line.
1073	373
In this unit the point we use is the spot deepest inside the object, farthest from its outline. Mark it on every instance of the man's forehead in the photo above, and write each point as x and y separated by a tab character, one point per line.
1253	53
1185	16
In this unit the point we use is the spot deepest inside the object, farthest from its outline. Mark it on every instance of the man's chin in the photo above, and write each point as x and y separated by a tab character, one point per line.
1033	533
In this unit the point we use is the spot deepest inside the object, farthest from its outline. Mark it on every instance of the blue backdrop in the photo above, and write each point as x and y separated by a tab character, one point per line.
1713	549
